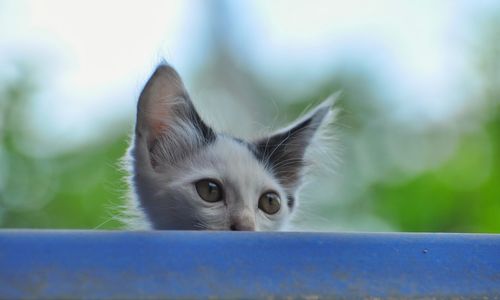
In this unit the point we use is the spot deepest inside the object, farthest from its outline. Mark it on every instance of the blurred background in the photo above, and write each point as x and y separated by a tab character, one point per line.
417	143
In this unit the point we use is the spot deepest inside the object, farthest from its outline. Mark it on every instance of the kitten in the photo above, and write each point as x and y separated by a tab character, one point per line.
187	176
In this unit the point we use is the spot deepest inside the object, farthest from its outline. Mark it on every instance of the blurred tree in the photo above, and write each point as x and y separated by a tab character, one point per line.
67	190
461	194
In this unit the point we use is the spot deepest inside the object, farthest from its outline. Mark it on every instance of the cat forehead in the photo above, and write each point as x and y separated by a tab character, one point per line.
234	160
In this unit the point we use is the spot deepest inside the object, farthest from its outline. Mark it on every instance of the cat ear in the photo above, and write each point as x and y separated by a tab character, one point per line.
283	152
167	121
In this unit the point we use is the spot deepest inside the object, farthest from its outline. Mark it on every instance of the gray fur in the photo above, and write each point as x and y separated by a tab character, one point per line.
173	148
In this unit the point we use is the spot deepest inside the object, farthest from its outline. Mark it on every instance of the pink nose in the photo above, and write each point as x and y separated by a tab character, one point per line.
240	227
242	224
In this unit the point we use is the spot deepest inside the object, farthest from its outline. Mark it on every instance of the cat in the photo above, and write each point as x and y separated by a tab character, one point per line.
184	175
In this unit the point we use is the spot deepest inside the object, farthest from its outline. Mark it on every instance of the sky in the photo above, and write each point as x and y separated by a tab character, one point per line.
93	57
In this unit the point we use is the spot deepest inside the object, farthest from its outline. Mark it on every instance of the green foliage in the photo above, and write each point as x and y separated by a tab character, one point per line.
73	189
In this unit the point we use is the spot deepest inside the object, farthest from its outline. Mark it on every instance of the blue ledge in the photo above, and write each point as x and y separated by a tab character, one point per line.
131	265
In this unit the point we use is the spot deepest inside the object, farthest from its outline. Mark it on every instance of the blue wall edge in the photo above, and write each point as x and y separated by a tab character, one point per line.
175	264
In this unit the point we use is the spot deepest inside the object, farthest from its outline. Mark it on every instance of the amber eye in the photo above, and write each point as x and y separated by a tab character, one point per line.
269	203
209	190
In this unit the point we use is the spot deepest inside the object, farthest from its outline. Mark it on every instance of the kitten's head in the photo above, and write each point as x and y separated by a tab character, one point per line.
187	176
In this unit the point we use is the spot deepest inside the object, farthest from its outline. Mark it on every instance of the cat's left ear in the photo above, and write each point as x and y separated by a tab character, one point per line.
284	151
168	125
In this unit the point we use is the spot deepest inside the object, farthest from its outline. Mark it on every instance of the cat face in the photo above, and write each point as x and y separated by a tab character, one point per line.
186	176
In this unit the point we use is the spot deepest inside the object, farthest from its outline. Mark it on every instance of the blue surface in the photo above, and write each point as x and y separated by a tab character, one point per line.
121	265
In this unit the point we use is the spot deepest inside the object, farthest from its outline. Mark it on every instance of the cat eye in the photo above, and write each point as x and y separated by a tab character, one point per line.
269	203
209	190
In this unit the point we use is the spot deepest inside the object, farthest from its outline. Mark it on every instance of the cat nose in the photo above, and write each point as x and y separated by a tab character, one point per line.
241	227
242	224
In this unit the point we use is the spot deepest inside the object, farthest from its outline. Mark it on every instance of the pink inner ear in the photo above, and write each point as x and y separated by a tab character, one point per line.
157	101
158	117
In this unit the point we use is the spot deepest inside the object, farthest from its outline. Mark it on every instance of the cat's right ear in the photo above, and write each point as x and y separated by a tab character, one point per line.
167	122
